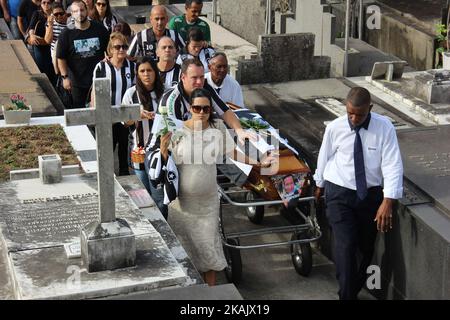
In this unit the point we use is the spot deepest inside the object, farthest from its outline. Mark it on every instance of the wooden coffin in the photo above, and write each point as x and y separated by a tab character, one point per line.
262	184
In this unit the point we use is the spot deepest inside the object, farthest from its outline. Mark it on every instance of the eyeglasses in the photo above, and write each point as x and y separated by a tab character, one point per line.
120	46
101	4
58	14
198	109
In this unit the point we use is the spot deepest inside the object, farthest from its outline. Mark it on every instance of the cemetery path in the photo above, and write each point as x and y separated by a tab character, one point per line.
268	273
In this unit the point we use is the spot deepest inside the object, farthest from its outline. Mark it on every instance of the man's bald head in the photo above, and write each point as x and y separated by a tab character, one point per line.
158	19
158	9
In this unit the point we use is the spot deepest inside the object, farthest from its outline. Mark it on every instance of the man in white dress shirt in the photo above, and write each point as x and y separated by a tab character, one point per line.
224	84
360	168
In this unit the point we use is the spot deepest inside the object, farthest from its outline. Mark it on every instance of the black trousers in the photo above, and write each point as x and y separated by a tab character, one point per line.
79	97
120	138
354	231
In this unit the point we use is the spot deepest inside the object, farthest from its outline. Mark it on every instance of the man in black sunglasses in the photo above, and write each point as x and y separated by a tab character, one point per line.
192	77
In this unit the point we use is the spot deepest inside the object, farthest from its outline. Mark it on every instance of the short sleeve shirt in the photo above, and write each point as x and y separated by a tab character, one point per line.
179	24
82	50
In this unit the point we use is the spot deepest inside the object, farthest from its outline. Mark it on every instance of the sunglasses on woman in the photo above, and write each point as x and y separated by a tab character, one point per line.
121	46
58	14
101	4
198	109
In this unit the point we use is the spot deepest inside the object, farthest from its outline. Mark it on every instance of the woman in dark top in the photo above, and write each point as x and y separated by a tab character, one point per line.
26	10
36	34
104	14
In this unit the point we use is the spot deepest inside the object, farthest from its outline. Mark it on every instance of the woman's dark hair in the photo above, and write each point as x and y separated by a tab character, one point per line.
203	93
108	13
144	94
124	28
58	5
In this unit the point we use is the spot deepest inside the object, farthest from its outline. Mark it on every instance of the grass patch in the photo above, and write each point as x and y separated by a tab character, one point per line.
21	146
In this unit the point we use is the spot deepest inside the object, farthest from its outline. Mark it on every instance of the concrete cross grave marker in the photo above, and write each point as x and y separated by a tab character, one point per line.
108	243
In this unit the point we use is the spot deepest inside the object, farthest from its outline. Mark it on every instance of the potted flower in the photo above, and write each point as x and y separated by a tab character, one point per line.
443	45
17	112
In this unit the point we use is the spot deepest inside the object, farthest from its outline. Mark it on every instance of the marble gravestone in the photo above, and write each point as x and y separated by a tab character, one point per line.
39	220
108	243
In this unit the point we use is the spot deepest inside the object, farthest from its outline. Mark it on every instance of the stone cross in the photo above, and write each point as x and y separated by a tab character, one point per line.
103	116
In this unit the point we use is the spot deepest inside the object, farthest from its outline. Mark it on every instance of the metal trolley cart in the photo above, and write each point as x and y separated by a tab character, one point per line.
261	190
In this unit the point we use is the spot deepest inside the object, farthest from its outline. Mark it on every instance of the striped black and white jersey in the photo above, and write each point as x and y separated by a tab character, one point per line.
163	172
141	133
57	29
171	77
177	102
121	79
204	56
110	22
144	43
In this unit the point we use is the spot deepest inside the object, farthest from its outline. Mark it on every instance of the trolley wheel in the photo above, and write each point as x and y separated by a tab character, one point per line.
233	271
301	255
255	213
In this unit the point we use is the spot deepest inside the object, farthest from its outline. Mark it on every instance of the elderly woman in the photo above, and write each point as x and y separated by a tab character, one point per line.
104	14
202	142
121	72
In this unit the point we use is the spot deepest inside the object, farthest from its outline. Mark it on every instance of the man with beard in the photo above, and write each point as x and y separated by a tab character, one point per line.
79	50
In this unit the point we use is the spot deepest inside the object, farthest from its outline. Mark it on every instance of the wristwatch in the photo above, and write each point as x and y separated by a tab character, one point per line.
64	76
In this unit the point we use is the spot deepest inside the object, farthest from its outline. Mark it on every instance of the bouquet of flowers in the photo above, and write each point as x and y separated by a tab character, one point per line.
166	124
255	124
18	102
138	155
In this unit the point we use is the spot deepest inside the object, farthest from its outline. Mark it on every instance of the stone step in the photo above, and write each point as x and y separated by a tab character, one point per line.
197	292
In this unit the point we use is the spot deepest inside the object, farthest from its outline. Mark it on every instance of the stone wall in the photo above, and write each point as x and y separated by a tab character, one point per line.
408	42
286	57
308	18
326	23
402	36
414	257
247	19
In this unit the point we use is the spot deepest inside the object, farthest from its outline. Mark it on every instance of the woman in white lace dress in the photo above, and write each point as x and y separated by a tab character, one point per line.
194	215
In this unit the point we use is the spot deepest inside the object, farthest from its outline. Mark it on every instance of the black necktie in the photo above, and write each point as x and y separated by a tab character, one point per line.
360	173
